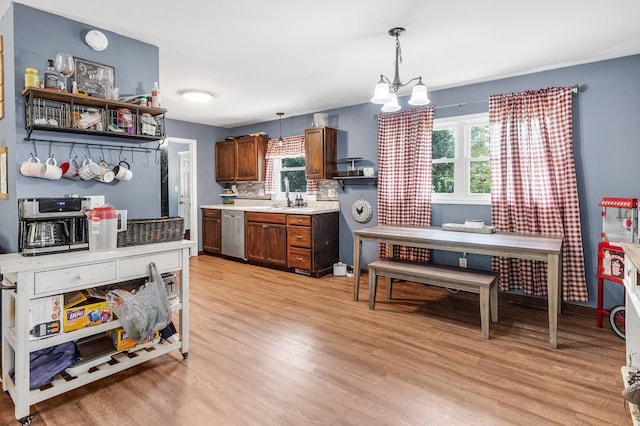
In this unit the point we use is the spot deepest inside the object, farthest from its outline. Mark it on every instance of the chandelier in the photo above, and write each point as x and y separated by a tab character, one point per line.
383	94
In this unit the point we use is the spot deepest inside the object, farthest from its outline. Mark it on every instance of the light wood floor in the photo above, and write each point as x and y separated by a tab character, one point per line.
275	348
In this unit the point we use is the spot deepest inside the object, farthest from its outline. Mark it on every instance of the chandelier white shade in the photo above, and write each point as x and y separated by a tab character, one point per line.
386	91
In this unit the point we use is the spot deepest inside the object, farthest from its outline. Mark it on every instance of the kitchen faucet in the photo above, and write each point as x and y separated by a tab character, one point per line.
286	190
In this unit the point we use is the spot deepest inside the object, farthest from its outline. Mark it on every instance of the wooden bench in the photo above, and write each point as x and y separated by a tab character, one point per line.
473	281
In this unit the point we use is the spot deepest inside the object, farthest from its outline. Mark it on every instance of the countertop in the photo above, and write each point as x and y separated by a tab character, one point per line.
317	209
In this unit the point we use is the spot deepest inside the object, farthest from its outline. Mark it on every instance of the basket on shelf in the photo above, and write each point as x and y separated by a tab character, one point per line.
149	231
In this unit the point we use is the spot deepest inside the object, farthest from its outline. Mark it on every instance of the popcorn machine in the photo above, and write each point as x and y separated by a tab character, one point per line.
619	225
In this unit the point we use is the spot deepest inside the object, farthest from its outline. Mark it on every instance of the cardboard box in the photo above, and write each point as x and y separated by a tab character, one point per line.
91	312
44	317
121	341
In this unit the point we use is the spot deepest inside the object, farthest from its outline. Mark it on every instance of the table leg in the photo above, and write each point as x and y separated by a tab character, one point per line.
554	277
357	248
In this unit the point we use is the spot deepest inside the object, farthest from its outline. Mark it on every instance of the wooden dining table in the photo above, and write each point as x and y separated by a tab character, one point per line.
542	247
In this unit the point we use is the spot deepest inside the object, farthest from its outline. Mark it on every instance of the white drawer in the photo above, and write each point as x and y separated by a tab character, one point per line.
59	280
136	267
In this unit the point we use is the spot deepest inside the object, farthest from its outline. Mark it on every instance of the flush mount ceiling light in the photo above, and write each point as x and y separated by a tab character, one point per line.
197	96
96	40
280	141
382	94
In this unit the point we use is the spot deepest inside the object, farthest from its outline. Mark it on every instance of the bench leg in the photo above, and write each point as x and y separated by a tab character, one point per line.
484	311
389	287
373	287
494	302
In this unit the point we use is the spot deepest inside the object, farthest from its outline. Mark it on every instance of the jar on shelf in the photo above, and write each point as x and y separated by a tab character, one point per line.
31	78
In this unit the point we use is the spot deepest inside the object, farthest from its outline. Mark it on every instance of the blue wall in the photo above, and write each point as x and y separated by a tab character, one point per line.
605	147
605	129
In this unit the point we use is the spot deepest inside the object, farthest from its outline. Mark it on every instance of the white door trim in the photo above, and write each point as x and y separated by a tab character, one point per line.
193	149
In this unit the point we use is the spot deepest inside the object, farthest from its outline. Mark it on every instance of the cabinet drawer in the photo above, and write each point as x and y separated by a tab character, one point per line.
299	220
136	267
279	218
210	213
299	236
60	280
299	258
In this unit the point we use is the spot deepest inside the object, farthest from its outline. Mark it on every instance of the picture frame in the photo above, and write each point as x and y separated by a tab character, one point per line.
4	189
95	79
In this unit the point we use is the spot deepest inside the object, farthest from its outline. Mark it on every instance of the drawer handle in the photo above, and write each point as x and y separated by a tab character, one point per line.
300	259
299	237
78	276
299	220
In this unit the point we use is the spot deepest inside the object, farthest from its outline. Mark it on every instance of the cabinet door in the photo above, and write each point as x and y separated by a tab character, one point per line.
247	159
225	161
320	152
276	244
254	241
211	232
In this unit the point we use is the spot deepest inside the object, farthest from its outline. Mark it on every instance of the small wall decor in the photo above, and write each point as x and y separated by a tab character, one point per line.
95	79
4	189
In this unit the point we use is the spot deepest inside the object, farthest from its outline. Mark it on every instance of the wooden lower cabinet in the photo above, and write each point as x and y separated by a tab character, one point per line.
312	243
212	231
266	238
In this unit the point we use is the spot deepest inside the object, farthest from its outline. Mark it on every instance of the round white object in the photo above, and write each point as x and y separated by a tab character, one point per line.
361	211
96	40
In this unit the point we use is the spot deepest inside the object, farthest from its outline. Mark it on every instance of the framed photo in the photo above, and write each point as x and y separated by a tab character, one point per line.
94	78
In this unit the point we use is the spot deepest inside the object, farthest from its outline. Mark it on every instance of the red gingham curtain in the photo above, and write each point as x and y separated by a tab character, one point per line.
293	146
534	186
404	174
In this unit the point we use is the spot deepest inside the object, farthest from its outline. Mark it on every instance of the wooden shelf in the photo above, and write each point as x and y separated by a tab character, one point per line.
45	104
356	180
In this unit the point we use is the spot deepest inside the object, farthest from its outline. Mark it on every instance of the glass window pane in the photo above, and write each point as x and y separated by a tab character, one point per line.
443	143
479	141
293	162
442	178
480	175
297	180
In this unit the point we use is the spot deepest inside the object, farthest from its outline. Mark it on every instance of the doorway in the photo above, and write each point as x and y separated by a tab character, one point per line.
179	182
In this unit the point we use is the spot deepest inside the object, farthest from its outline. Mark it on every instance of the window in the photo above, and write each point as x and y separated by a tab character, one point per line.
294	169
460	149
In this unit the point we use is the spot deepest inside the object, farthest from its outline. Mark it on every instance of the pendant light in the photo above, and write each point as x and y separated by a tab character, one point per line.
280	141
386	91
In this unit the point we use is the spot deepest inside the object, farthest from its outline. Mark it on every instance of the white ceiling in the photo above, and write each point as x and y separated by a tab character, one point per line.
261	57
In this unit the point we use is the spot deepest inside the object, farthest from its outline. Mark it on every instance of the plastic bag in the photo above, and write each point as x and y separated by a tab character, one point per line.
45	363
144	311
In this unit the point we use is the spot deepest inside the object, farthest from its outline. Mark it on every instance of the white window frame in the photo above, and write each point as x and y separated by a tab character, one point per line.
462	159
277	169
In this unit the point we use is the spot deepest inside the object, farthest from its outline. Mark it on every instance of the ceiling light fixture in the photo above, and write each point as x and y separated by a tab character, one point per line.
382	95
197	96
280	141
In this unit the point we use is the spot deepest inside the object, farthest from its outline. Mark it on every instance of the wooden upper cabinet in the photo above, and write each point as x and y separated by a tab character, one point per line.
241	159
225	161
321	146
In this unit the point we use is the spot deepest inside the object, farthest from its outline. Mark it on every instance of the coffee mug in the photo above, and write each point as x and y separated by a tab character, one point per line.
32	167
72	169
123	173
106	174
89	169
51	170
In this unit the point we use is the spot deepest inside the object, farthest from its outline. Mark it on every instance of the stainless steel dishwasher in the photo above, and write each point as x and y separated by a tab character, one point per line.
233	234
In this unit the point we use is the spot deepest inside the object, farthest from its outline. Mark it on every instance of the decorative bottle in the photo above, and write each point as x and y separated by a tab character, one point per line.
155	95
50	76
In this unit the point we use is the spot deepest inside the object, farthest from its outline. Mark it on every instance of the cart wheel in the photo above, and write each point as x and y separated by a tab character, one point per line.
616	319
26	421
185	355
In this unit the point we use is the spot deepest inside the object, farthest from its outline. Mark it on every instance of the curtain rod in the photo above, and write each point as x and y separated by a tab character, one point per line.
575	88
